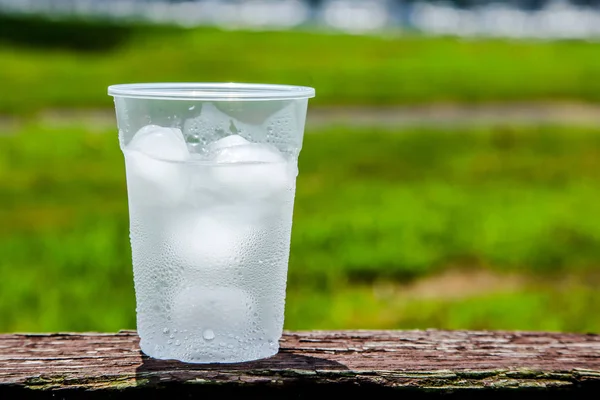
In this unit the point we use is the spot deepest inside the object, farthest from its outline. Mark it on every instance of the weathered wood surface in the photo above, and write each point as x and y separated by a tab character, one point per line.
384	363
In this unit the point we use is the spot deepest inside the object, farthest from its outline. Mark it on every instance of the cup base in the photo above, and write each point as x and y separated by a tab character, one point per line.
207	356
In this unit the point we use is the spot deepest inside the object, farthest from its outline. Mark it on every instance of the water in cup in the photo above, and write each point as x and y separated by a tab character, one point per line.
210	235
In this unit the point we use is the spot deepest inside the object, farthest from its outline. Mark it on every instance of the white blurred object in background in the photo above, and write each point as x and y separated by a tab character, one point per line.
511	18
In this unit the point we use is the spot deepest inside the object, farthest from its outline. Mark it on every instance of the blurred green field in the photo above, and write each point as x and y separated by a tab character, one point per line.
345	69
465	228
480	227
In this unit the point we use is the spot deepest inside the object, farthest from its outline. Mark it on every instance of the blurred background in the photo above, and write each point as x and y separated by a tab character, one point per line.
450	174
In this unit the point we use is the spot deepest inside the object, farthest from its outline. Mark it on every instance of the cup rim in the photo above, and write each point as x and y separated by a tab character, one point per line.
229	91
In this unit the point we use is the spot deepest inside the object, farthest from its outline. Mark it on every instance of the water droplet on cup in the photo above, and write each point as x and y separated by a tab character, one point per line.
208	334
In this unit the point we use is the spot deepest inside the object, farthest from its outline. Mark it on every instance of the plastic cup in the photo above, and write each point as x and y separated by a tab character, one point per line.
211	171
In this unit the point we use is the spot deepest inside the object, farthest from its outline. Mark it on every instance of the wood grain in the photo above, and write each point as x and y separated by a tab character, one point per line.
418	364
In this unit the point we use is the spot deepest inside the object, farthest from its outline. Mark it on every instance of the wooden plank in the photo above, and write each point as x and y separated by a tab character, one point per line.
416	363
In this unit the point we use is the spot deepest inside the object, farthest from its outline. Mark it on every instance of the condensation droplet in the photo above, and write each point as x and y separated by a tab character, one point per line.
208	334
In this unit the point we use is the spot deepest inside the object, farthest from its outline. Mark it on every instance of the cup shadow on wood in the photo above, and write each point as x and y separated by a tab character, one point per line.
280	361
278	377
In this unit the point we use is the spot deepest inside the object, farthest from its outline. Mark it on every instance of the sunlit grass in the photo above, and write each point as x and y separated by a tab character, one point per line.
372	206
344	69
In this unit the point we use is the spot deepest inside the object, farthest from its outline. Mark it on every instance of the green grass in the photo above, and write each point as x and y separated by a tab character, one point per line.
344	69
532	307
373	207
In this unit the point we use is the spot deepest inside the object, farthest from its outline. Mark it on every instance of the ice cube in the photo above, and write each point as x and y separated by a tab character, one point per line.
151	174
248	153
204	189
213	313
227	141
158	142
211	241
211	125
252	170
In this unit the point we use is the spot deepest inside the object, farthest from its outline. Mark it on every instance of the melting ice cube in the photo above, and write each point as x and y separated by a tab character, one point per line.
159	142
215	313
250	169
211	125
211	241
151	173
227	141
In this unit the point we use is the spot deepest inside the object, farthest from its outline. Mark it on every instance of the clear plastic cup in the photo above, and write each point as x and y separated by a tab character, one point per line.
211	172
